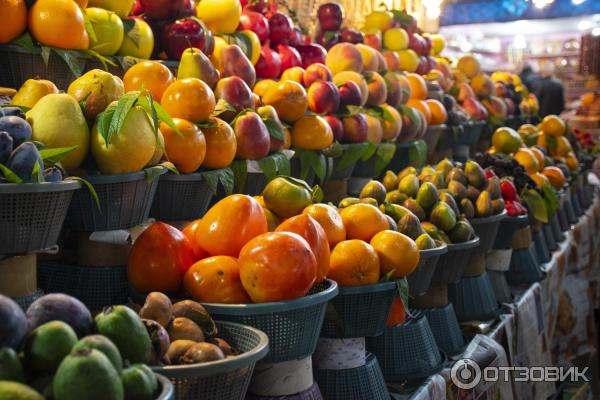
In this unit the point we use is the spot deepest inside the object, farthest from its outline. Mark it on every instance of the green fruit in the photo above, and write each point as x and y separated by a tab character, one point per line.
493	187
462	232
415	208
374	190
443	217
444	238
425	171
475	174
409	185
473	193
17	391
449	199
287	196
390	181
348	201
139	383
467	209
437	178
425	242
103	344
96	89
457	189
498	205
87	374
456	174
395	211
10	366
410	226
47	345
125	329
395	197
483	205
444	166
431	230
427	195
407	171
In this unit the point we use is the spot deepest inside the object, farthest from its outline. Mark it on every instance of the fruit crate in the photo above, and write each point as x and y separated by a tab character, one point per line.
125	201
420	279
451	265
401	157
344	173
32	214
293	326
181	197
487	230
226	379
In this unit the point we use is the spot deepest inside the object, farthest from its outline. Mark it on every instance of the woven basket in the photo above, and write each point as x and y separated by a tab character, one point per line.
420	279
181	197
451	265
487	229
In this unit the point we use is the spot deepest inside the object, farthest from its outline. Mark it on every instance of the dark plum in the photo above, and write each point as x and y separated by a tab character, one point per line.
23	159
17	127
62	307
12	111
14	324
6	146
53	174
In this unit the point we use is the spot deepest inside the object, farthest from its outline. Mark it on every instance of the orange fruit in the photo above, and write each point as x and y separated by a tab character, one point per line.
571	161
397	313
363	221
57	23
312	132
354	263
540	157
438	112
540	179
307	227
330	220
288	98
418	86
527	159
13	19
277	266
397	252
216	280
230	224
190	99
563	146
82	3
190	232
421	106
553	125
185	151
221	145
150	75
261	87
555	176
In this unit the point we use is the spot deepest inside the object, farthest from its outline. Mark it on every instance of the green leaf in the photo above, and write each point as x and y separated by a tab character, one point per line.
410	113
52	156
9	175
45	53
388	277
384	155
536	204
317	194
73	60
89	28
552	143
283	164
163	116
402	286
550	198
89	186
353	110
169	166
25	41
402	17
268	167
275	129
222	107
311	160
240	173
207	124
153	172
124	105
145	101
351	155
36	174
370	152
133	34
417	153
245	44
224	176
104	60
104	119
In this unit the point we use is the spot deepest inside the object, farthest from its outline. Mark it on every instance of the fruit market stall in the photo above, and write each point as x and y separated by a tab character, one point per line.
260	199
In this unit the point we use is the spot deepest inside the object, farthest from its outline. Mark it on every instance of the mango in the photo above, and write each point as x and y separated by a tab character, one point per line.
427	196
443	217
415	208
475	174
410	226
467	209
483	205
409	185
390	181
462	232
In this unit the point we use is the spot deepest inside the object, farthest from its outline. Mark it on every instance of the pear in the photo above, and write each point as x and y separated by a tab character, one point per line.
97	89
407	171
195	64
395	211
375	190
409	185
235	63
425	242
390	181
410	226
32	91
444	166
395	197
236	93
475	174
483	205
443	216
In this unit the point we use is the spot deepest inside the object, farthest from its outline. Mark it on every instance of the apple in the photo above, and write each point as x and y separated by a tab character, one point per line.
163	9
297	38
330	16
423	67
414	43
188	9
327	39
311	54
281	28
428	44
260	6
289	57
137	9
337	127
255	22
269	64
209	42
373	40
356	128
350	35
182	34
350	94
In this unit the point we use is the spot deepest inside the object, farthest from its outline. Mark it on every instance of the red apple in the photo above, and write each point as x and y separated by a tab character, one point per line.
138	9
423	67
209	42
281	28
260	6
337	127
415	44
428	45
180	35
255	22
373	40
311	54
296	38
350	94
433	64
188	9
327	39
163	9
350	35
269	64
356	128
289	57
330	16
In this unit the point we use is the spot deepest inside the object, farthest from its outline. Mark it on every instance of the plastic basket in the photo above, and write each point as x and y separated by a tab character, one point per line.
561	212
96	287
226	379
524	268
471	133
507	229
513	122
451	265
344	173
569	211
487	230
312	393
181	197
448	138
559	237
420	279
407	352
166	388
474	299
293	326
255	184
296	170
32	214
432	137
365	169
401	157
576	205
125	201
500	286
445	329
26	301
359	311
361	383
549	236
541	247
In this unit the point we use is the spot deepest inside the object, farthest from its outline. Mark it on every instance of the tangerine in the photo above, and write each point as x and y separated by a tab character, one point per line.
216	280
354	263
150	75
397	252
555	176
186	149
540	179
330	220
13	19
553	125
540	157
190	99
311	132
221	145
421	106
438	112
288	98
57	23
363	221
418	86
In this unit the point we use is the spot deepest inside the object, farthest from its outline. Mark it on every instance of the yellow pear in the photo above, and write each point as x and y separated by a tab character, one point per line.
33	90
97	89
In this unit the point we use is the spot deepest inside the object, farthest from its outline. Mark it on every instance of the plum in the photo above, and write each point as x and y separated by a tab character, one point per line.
14	324
53	174
62	307
23	159
6	146
17	127
12	112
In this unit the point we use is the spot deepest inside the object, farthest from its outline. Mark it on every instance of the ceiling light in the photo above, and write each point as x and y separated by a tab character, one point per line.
577	2
584	25
519	42
596	31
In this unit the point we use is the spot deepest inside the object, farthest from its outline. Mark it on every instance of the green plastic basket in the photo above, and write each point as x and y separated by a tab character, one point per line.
432	137
359	311
445	329
312	393
487	230
181	197
541	247
451	265
360	383
474	299
471	133
125	201
507	229
407	352
226	379
32	214
293	326
420	279
525	268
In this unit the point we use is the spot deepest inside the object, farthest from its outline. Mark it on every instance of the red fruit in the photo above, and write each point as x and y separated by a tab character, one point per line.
255	22
269	64
428	44
281	28
311	54
336	127
489	173
350	35
330	16
327	38
296	38
508	189
289	57
182	34
350	94
511	208
138	9
397	313
260	6
159	258
423	67
163	9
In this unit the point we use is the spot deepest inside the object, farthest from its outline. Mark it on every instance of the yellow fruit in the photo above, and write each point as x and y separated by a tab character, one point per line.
108	31
395	39
553	125
121	7
220	16
572	162
528	160
254	52
540	156
555	176
409	60
438	43
506	140
215	58
380	20
563	146
32	91
468	65
138	42
540	179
